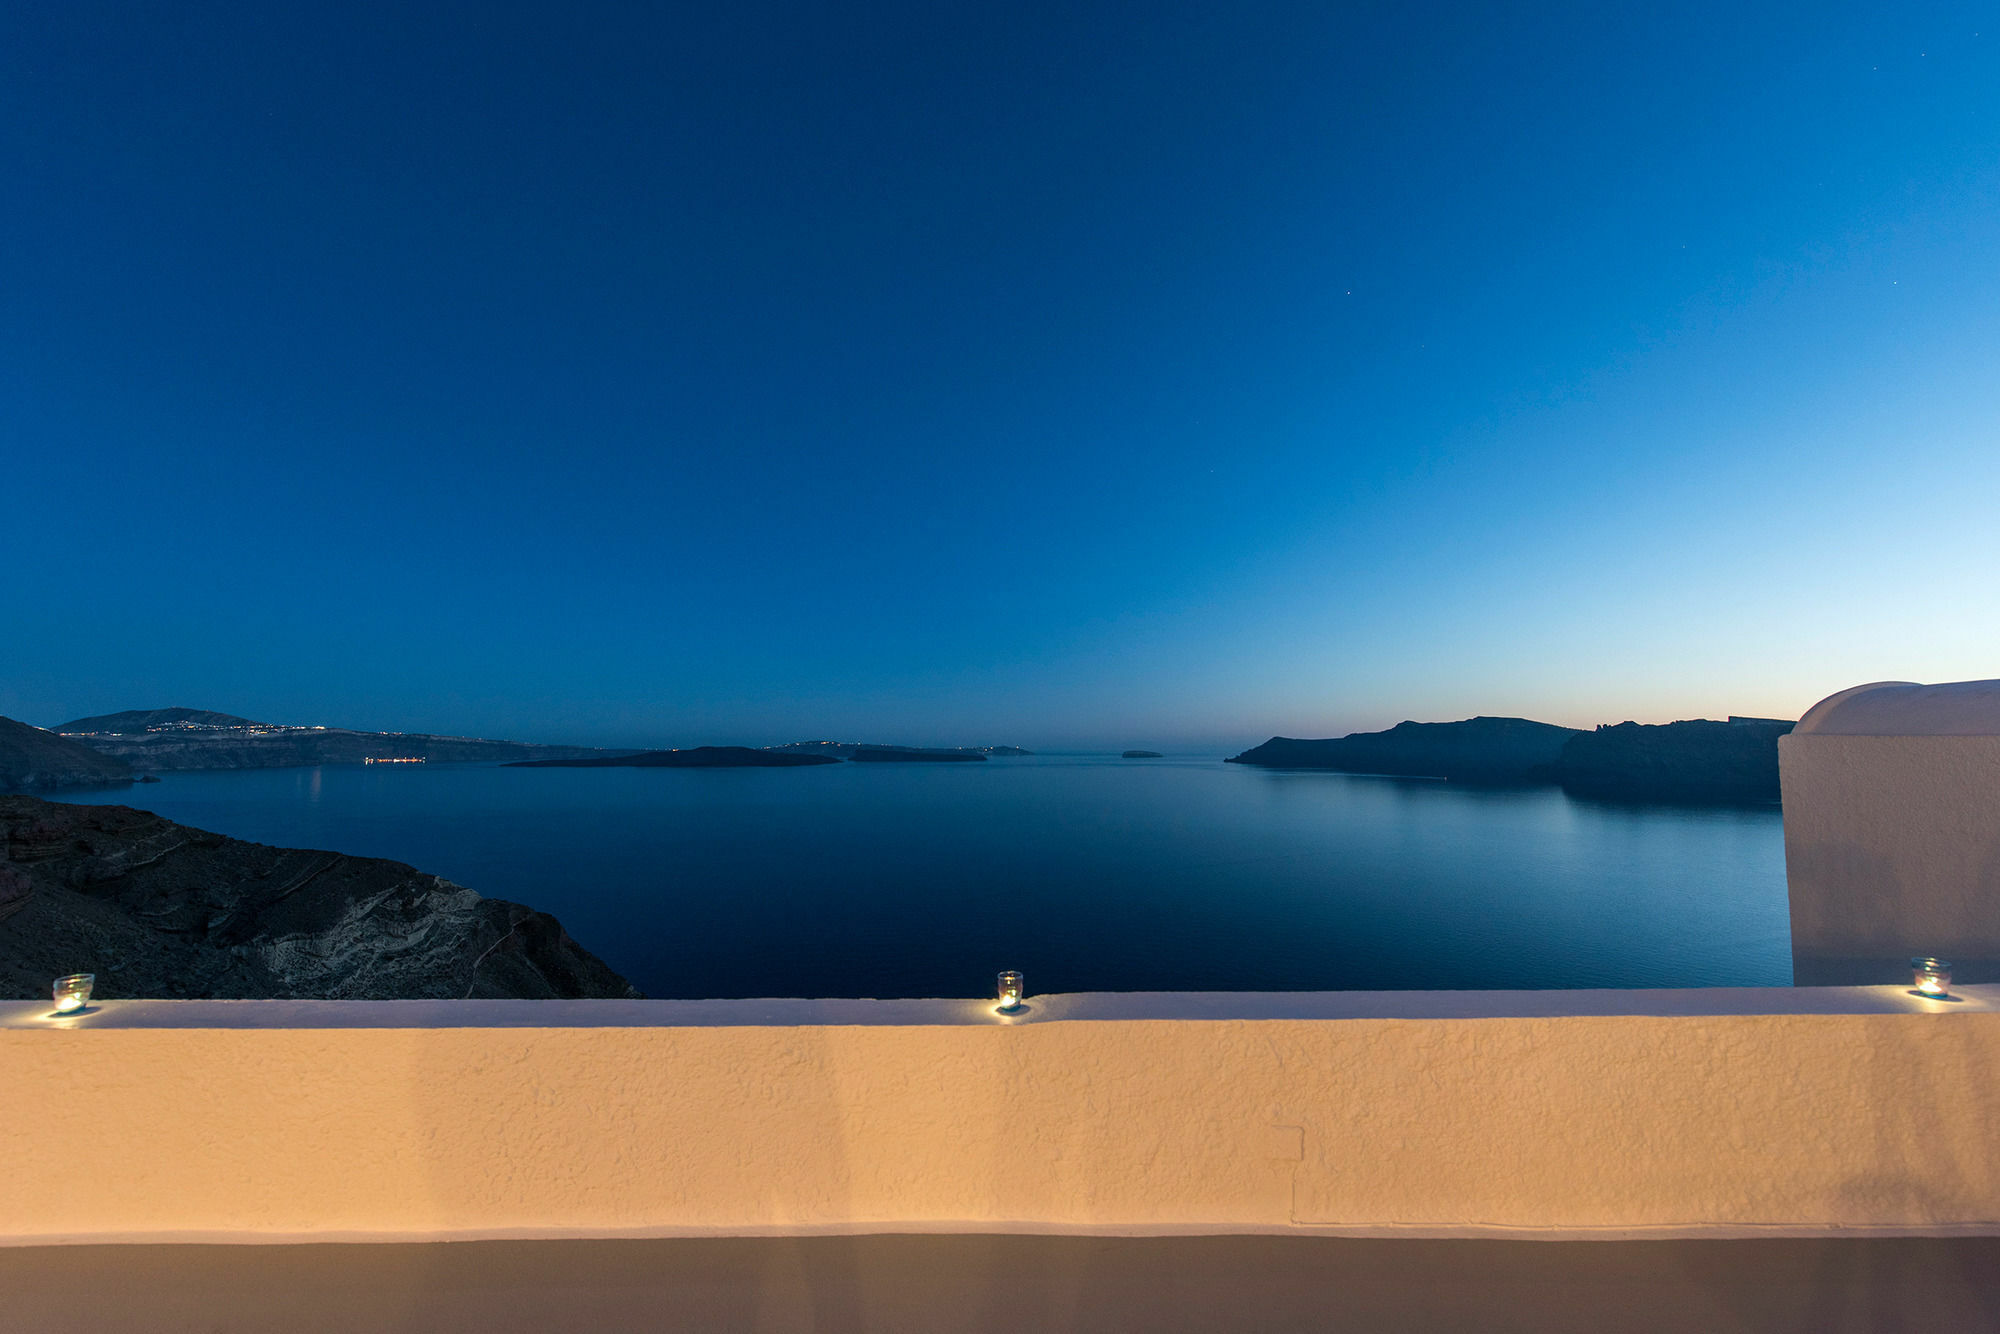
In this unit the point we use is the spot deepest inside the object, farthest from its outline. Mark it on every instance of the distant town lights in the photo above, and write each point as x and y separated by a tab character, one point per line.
1013	986
1933	976
72	993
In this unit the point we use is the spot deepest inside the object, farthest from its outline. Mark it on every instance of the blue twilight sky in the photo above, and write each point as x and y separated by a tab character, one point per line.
1069	374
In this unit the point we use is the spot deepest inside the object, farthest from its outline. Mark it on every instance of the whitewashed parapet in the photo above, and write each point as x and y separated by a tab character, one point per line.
1529	1113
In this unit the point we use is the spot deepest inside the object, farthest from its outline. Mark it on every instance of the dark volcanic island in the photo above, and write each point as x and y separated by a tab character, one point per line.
913	755
1699	760
1696	760
157	909
791	756
1477	750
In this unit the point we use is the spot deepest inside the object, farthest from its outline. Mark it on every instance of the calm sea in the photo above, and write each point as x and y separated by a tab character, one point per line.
1088	873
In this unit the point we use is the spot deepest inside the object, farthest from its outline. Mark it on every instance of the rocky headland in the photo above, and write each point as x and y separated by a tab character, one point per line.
34	760
159	909
898	755
697	757
165	740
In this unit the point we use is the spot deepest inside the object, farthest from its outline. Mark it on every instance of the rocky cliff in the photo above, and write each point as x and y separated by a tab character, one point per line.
1476	750
1697	760
158	909
34	760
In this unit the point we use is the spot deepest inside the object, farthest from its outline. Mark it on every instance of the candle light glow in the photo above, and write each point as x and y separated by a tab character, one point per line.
1933	976
72	993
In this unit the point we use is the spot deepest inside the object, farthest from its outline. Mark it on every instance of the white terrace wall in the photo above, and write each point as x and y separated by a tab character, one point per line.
1559	1114
1892	831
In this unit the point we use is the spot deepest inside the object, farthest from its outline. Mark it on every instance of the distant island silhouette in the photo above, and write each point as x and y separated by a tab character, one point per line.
698	757
1695	760
846	749
181	739
130	746
794	755
1477	750
1692	760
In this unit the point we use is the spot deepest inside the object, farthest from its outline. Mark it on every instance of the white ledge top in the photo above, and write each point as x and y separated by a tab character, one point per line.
1904	708
1087	1006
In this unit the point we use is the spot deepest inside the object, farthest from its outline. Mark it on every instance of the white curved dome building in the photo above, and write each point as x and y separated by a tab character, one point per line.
1892	831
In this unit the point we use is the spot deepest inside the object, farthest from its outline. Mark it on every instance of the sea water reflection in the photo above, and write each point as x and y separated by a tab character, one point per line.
1086	872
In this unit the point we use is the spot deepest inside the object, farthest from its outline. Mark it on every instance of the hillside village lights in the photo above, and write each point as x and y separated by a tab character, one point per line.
1933	976
73	992
1012	987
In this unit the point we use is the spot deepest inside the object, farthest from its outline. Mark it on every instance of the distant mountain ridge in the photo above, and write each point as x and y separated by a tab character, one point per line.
183	739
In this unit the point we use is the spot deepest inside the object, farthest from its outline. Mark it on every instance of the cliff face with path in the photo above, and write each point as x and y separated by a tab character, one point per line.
34	760
159	909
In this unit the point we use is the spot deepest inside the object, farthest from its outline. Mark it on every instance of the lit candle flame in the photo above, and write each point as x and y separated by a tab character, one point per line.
72	992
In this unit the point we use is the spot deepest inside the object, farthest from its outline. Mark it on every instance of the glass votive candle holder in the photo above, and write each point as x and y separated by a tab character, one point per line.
1933	976
1011	988
72	993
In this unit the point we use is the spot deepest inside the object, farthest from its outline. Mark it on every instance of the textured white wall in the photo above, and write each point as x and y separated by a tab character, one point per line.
1892	848
1867	1110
